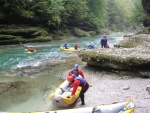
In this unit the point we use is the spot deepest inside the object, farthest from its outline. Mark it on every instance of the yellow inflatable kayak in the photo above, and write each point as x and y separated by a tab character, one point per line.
121	107
70	49
59	96
29	52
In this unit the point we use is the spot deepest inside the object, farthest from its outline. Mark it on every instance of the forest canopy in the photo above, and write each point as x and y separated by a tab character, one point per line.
91	15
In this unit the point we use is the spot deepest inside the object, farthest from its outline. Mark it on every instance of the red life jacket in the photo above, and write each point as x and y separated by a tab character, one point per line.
30	49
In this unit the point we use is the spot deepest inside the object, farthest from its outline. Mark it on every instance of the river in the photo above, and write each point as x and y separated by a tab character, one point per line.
36	70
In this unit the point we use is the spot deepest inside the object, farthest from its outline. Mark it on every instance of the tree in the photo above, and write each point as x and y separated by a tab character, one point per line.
97	13
139	14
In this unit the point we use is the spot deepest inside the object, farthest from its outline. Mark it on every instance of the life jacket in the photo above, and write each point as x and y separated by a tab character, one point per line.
91	46
82	81
30	49
75	72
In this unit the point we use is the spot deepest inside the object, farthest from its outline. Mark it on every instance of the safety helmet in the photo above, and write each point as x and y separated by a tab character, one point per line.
70	78
76	66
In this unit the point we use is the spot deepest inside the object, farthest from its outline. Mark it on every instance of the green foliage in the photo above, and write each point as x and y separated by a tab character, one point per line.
119	15
9	37
1	15
101	15
77	8
97	12
139	14
48	11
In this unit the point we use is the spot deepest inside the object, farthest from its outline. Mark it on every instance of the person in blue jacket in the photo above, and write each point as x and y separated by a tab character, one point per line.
91	46
66	46
103	42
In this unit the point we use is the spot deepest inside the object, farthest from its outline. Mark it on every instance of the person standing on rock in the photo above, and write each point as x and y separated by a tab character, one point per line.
103	42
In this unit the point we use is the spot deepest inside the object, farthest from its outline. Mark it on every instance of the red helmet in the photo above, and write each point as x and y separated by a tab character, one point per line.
70	78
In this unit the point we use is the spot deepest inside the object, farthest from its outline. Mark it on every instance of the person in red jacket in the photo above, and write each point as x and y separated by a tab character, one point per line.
76	46
76	72
31	49
78	81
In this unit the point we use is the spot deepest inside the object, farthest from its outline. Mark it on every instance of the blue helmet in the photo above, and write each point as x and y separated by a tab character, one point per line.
76	66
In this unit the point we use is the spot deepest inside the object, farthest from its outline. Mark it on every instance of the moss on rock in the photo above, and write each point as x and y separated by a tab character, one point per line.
80	33
14	34
133	41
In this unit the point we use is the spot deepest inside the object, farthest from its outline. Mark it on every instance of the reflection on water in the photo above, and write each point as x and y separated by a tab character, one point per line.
40	71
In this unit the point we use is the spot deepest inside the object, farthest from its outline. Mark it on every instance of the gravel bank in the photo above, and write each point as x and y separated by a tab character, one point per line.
108	87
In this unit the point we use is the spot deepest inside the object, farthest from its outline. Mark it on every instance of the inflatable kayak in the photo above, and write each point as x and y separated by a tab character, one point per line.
30	52
71	49
59	96
121	107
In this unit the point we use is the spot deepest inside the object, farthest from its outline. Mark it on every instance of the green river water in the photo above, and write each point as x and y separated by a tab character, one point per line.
41	83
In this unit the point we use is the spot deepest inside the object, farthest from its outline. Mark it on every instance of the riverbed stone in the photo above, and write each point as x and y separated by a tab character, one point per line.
11	86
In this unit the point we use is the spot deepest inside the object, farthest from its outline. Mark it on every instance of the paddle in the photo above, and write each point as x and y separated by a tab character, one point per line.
26	47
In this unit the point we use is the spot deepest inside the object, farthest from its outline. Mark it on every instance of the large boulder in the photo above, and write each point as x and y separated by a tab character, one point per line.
134	58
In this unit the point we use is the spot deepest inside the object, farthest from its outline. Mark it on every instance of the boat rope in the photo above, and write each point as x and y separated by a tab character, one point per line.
62	89
96	109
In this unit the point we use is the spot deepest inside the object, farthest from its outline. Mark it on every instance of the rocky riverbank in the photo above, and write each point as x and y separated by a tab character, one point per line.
109	86
132	54
14	34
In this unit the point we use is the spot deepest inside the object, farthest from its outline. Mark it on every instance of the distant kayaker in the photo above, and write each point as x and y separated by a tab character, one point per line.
78	81
30	49
66	46
76	72
76	46
91	46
